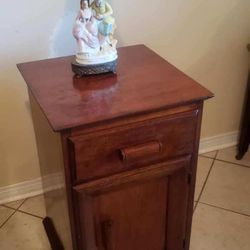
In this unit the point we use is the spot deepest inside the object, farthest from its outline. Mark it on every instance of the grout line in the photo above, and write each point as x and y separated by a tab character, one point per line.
14	211
12	208
234	163
195	206
8	218
17	210
217	159
6	206
205	182
239	164
21	211
37	216
22	203
225	209
196	203
204	156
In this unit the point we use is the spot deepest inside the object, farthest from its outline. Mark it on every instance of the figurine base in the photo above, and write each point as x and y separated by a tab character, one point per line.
94	69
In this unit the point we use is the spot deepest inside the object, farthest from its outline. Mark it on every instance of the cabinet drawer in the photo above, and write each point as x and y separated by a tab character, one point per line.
115	150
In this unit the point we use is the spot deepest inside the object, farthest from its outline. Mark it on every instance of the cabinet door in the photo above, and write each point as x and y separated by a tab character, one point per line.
142	209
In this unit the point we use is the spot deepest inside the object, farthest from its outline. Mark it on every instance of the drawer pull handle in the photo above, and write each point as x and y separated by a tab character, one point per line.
107	234
140	151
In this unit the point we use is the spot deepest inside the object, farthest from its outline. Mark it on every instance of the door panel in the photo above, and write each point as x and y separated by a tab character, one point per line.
135	210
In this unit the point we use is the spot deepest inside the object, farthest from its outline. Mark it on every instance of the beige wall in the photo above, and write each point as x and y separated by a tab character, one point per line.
206	39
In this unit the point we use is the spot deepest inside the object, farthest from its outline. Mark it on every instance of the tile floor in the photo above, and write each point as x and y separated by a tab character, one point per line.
221	211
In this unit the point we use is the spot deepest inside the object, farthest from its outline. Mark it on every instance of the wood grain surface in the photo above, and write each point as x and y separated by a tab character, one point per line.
144	82
98	154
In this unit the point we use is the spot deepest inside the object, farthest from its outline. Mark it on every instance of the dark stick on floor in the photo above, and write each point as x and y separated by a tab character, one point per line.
54	240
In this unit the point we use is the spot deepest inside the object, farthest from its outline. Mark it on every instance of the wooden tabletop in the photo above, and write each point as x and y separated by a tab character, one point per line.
144	82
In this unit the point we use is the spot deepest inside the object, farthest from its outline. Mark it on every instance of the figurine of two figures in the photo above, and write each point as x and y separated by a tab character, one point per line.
93	30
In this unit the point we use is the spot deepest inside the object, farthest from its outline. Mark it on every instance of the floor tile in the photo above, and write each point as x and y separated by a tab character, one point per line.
228	186
14	204
217	229
228	154
203	168
23	232
210	154
4	214
34	205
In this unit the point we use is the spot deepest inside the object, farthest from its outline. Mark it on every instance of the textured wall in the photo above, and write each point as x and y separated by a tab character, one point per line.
205	39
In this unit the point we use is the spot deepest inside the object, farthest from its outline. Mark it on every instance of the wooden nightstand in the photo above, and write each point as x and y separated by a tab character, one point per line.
118	153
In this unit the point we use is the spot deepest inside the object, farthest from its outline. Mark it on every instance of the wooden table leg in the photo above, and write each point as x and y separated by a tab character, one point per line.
245	130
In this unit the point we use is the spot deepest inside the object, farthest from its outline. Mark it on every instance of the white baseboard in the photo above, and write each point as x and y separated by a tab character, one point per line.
218	142
21	190
34	187
30	188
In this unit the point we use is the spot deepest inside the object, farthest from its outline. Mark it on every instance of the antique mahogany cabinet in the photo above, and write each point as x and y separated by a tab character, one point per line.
118	153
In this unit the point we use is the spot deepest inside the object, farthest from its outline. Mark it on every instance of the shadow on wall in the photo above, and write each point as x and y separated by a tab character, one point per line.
117	34
62	42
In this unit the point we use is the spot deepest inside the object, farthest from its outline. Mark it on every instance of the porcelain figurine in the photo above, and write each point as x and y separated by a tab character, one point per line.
93	30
